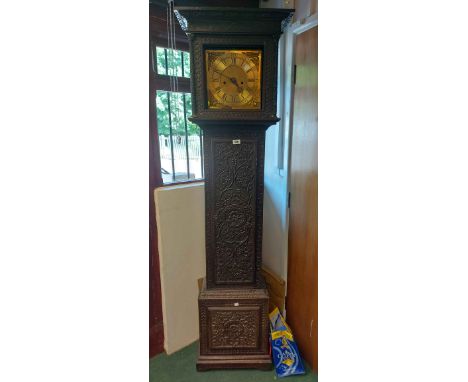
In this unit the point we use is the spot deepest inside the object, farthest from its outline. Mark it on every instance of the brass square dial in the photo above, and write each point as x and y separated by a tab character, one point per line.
233	78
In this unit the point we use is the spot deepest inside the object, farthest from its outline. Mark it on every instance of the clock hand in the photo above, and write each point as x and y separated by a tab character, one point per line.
234	81
223	75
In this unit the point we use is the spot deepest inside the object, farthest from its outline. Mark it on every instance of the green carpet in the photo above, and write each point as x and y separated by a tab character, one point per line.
180	367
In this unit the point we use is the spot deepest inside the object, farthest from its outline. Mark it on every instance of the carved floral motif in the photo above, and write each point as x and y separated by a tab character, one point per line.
249	319
234	205
234	328
234	217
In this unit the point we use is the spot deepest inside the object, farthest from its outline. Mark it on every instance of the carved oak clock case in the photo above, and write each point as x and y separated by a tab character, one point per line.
234	54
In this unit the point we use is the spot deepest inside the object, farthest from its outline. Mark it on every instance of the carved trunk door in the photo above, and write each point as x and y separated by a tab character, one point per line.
234	206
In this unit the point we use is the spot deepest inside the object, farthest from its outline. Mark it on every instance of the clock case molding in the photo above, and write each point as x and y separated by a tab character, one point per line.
233	302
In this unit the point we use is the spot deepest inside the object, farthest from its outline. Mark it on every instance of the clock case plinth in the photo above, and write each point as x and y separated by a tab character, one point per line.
234	329
233	304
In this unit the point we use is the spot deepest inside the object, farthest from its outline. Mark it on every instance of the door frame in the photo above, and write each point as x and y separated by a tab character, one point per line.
296	29
286	107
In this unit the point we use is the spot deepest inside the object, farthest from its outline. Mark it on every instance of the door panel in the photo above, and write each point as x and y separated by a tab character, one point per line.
301	300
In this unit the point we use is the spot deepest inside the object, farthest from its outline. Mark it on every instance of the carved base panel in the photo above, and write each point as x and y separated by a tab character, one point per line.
234	329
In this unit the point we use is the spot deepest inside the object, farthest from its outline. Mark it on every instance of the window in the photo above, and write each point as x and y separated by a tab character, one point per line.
172	62
180	141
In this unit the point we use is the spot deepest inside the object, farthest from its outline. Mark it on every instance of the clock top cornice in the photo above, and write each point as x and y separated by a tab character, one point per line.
230	20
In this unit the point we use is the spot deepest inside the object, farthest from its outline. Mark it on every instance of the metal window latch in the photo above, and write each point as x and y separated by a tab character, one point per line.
236	141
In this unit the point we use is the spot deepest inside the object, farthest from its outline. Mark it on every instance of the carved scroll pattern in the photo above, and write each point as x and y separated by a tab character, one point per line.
259	325
234	218
234	328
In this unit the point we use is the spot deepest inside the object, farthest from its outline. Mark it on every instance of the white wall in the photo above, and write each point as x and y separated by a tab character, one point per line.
275	227
275	208
275	213
180	216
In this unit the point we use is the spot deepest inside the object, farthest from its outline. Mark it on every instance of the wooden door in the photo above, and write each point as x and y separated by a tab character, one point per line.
301	300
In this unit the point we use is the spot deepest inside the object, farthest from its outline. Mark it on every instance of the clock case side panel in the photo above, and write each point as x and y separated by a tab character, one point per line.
214	275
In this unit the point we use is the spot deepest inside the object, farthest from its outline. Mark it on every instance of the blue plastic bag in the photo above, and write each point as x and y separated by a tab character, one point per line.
286	357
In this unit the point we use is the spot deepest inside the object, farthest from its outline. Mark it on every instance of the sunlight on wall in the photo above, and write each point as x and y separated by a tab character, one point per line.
180	216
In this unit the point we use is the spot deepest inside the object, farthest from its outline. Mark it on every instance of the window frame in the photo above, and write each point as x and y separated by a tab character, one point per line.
162	82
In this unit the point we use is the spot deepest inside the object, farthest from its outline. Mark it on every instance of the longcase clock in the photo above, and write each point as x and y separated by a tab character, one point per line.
234	54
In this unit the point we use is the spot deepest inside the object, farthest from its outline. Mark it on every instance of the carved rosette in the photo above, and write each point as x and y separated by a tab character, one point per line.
233	321
234	328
